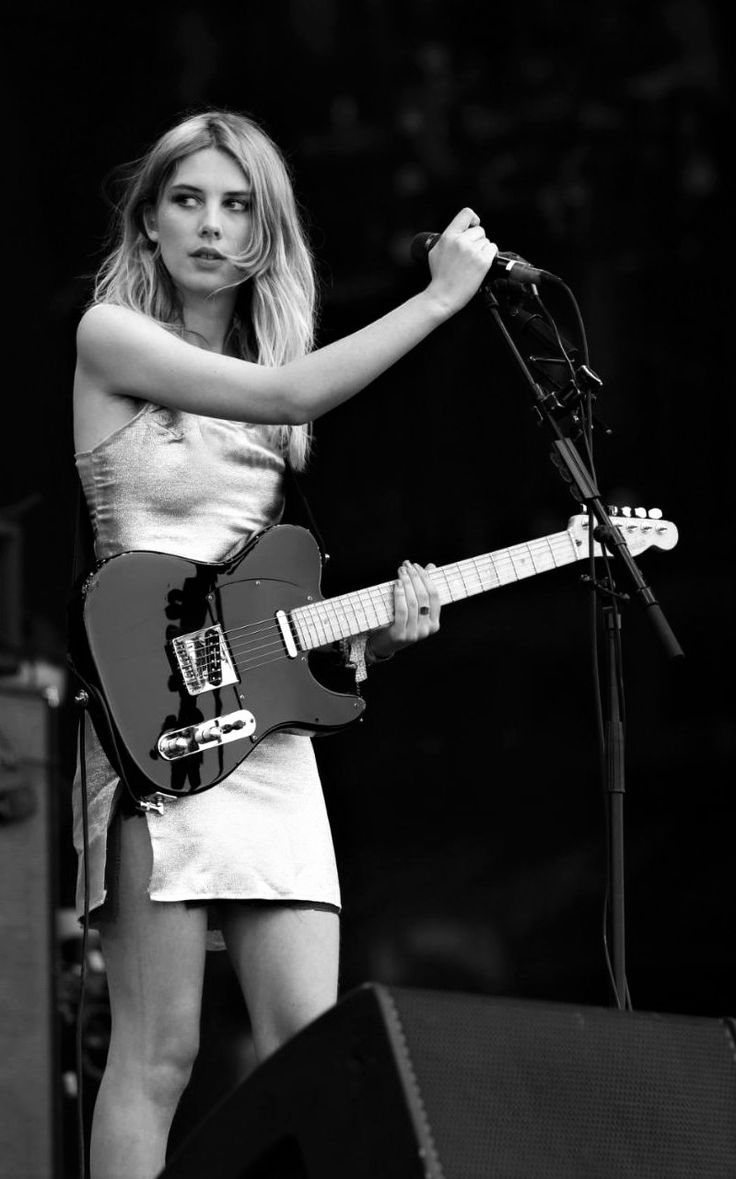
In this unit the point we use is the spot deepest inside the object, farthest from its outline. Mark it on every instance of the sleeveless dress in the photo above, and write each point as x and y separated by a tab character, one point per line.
199	487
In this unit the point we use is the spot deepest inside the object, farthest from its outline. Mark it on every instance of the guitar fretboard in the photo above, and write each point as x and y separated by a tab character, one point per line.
333	619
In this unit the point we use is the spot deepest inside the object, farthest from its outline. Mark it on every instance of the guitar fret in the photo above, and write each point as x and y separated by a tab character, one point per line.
548	553
306	615
322	623
462	578
340	627
470	573
331	622
373	603
315	621
481	574
350	611
443	572
495	579
521	561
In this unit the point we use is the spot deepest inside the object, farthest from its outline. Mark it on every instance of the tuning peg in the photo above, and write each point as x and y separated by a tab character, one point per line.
655	513
612	509
641	513
626	511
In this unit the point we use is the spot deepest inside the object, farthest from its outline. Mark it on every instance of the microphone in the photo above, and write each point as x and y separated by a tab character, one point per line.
504	266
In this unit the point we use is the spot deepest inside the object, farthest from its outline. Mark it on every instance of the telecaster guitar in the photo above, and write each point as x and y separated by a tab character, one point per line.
189	665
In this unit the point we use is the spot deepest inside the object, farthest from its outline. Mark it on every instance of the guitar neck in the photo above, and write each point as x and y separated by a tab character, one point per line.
332	619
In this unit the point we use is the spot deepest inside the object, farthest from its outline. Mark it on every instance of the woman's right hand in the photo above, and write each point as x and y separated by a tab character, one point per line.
459	261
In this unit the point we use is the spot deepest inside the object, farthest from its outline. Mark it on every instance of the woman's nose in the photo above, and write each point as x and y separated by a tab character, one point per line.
210	225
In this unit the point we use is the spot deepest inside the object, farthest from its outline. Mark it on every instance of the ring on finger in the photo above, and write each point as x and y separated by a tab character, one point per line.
424	609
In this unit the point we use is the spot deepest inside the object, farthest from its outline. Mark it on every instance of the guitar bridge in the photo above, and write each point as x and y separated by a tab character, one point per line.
204	661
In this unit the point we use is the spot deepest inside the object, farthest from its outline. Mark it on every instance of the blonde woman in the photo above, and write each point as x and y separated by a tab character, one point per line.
195	383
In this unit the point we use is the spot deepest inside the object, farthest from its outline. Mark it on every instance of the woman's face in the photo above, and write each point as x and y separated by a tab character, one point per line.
203	213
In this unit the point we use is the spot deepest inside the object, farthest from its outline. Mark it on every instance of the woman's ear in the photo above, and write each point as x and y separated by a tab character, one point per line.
150	223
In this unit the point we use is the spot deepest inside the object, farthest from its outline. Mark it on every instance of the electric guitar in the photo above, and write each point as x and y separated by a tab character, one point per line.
189	665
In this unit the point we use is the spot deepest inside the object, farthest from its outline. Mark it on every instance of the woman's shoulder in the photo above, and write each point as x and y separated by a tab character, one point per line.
103	320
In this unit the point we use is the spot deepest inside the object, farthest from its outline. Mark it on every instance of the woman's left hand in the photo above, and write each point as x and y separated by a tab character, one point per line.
416	612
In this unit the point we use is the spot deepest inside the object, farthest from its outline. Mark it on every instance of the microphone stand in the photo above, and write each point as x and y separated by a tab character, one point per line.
581	483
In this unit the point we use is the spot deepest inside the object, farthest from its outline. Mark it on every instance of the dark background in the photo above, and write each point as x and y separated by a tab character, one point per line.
467	809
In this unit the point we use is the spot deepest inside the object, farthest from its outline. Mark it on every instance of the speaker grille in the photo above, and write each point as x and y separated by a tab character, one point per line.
28	1097
525	1089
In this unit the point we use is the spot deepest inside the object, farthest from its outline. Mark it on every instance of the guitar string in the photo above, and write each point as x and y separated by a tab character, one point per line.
266	633
326	620
480	566
502	560
456	570
243	664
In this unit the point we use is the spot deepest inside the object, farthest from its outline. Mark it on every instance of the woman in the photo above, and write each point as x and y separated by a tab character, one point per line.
194	384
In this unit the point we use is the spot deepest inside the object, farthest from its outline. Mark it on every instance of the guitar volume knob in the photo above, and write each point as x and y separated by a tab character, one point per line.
209	732
173	746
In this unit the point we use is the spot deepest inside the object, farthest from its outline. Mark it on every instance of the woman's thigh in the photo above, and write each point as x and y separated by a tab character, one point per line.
286	957
154	954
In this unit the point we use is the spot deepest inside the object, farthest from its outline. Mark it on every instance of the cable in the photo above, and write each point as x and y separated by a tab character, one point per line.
81	699
608	583
560	342
579	318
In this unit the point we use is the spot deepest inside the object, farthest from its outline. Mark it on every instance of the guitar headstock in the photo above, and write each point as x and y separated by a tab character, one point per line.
642	528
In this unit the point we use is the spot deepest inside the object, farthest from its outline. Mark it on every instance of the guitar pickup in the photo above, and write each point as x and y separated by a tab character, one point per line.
176	743
203	660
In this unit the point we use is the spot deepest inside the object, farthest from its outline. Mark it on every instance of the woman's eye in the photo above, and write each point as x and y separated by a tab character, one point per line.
184	199
240	206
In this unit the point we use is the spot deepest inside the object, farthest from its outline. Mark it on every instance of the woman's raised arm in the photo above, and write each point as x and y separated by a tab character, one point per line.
125	353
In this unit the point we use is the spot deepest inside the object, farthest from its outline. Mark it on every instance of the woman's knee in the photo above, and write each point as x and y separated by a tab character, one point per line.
157	1061
168	1074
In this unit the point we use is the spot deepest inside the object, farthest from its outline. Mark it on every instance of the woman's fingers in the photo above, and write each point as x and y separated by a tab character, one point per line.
463	220
434	596
459	260
475	234
412	605
422	602
416	611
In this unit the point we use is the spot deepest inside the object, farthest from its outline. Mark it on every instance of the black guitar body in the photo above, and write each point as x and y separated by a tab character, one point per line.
123	628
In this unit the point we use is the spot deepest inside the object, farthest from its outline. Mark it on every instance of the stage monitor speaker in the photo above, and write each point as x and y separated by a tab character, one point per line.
395	1083
28	1059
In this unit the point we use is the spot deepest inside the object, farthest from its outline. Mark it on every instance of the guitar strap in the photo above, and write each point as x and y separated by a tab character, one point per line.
83	554
84	560
298	510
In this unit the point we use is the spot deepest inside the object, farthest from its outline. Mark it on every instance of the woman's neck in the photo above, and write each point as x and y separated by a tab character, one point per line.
208	320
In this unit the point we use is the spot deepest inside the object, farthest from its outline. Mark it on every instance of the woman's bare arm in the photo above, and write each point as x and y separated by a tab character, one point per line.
122	352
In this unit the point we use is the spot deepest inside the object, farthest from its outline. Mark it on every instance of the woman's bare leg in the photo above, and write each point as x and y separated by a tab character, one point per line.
286	958
154	955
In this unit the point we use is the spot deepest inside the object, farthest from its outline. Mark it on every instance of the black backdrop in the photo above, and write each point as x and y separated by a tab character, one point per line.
467	808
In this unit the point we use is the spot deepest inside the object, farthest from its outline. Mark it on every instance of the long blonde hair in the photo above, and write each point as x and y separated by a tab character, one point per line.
274	320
